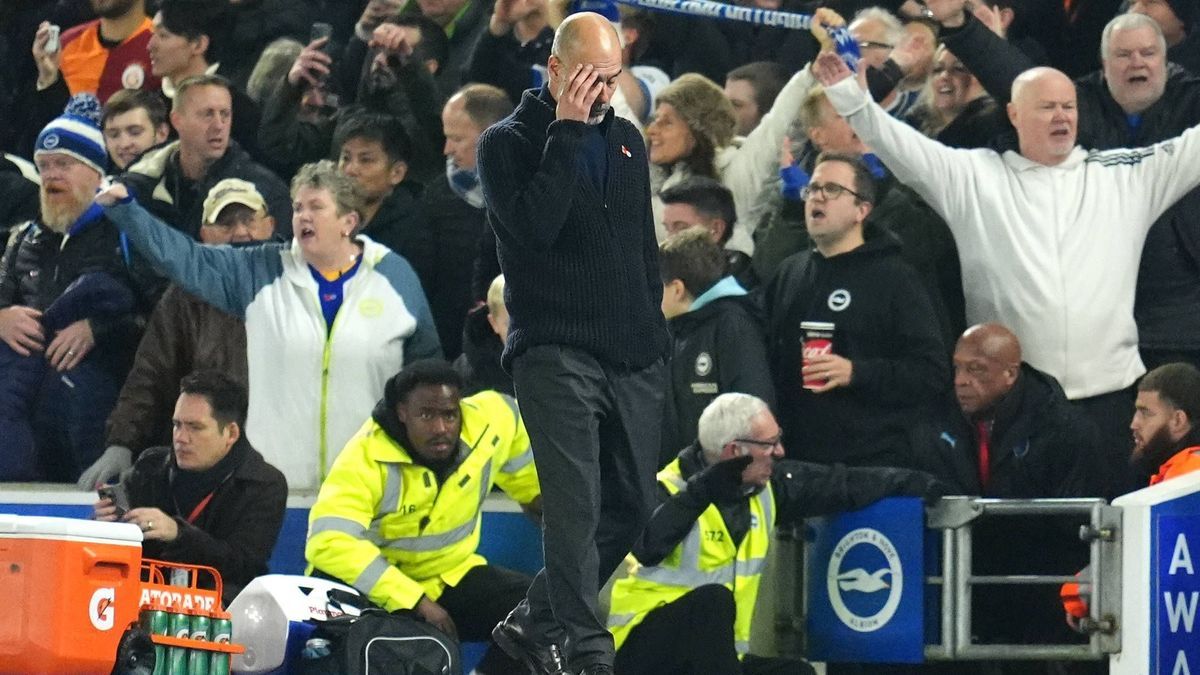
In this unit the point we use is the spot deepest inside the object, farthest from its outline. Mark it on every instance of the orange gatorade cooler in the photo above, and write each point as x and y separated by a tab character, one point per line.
70	588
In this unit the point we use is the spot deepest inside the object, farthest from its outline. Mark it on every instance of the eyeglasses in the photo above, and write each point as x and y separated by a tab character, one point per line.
871	44
54	162
769	444
826	190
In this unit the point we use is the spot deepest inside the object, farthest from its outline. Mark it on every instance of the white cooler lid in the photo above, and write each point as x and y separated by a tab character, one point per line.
13	526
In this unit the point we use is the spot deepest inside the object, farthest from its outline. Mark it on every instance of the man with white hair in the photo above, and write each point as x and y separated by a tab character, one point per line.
1050	235
878	33
688	601
67	305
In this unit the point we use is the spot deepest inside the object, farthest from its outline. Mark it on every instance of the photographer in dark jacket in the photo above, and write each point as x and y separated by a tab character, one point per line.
718	344
888	360
212	500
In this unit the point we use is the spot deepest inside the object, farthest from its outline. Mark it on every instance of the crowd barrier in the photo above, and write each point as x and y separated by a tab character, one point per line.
872	578
894	582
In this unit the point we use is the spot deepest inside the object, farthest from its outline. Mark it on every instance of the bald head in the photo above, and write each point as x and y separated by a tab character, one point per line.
994	341
1027	83
1044	114
582	31
987	363
586	45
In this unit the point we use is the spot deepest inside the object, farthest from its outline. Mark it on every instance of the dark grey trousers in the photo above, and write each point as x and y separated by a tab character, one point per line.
594	429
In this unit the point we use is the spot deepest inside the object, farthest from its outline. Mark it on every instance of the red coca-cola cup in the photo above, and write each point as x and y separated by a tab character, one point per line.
818	340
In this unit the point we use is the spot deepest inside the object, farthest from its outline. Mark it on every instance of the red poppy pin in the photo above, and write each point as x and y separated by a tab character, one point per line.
625	151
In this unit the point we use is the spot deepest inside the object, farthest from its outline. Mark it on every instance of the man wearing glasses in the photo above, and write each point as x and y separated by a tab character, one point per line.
887	361
687	604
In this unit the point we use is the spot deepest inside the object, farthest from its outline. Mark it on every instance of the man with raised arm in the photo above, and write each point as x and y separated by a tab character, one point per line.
1049	236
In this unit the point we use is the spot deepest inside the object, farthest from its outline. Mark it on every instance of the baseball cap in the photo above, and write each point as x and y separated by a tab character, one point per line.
231	191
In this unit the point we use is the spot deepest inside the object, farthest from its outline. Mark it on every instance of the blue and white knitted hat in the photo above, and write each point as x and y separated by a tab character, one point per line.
76	133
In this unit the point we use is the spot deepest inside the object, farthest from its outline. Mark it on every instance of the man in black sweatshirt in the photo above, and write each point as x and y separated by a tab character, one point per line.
567	188
888	362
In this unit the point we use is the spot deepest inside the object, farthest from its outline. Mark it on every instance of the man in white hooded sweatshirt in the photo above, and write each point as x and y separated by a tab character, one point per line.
1049	237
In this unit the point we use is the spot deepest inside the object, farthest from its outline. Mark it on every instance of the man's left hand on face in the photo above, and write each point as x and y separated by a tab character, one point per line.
155	524
70	346
835	370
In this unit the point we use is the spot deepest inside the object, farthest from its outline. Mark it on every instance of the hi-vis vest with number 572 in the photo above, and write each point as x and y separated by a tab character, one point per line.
705	556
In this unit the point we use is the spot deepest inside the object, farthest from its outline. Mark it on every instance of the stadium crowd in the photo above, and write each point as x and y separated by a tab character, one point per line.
960	259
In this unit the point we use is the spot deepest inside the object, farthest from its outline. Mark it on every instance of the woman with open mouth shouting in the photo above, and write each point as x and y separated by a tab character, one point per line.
329	316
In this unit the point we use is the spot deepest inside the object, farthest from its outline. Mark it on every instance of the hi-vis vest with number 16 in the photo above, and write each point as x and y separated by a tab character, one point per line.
705	556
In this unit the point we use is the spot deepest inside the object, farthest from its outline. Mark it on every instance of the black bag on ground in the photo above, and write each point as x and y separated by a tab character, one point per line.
380	642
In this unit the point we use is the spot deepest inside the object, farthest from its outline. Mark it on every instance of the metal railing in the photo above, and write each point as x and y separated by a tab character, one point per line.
955	518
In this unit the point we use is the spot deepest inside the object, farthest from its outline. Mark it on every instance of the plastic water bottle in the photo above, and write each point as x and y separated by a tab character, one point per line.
316	648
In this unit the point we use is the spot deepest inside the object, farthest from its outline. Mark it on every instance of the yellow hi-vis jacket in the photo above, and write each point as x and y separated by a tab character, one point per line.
705	556
382	524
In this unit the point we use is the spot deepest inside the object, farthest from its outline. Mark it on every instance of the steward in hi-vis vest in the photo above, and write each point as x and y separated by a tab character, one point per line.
687	603
399	515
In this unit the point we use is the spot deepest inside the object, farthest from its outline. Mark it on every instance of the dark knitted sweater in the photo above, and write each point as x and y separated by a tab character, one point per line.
580	267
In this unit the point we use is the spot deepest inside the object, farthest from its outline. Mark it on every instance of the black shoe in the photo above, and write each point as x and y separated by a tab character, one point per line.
541	660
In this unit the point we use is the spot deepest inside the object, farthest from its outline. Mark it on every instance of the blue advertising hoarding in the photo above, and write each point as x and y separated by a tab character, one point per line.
865	577
1175	587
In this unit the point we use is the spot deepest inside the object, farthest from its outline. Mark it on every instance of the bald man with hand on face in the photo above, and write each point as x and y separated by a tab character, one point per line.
567	187
1049	237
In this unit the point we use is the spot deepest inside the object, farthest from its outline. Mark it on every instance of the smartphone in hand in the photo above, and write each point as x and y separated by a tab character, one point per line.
116	494
52	41
322	30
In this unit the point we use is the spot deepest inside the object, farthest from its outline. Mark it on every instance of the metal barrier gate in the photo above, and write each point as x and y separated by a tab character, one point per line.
873	580
954	517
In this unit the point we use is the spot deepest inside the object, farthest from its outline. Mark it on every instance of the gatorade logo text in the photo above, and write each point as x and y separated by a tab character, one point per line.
176	601
100	609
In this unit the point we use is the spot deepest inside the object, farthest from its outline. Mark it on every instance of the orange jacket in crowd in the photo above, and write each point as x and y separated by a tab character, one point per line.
1075	598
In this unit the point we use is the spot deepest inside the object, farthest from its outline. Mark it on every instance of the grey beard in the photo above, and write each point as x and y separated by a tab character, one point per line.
598	117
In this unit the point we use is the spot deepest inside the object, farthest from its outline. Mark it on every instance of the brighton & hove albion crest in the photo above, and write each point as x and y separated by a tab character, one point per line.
865	580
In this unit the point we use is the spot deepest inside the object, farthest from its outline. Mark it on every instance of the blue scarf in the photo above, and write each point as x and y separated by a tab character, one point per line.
464	183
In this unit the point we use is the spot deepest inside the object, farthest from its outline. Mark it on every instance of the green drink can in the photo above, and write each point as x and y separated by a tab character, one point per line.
222	632
200	626
177	657
198	658
157	622
220	664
